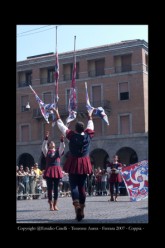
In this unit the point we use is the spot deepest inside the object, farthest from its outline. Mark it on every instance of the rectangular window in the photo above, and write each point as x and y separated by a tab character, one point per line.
123	63
24	101
124	124
77	70
67	71
97	126
99	65
96	67
96	96
51	75
123	91
25	133
28	78
126	63
91	68
47	97
24	79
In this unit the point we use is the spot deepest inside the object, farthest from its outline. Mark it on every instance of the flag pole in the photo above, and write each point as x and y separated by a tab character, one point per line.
56	39
72	105
74	48
56	75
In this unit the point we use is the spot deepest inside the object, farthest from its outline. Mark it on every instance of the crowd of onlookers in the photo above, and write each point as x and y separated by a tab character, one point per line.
30	183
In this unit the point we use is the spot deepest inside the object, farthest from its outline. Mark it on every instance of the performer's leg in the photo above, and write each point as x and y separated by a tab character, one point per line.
82	194
73	180
73	187
117	190
50	187
56	183
111	191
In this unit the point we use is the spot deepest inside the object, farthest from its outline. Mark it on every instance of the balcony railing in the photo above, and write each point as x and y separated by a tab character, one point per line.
24	109
81	108
124	68
67	77
96	73
47	80
24	84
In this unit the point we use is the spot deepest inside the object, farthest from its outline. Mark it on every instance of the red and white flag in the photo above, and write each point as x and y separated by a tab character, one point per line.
99	111
135	177
45	108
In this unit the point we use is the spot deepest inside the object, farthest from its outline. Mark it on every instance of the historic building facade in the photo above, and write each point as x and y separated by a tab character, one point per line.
117	78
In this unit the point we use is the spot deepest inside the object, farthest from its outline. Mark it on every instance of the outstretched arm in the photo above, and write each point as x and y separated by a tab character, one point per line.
90	124
45	144
62	146
60	123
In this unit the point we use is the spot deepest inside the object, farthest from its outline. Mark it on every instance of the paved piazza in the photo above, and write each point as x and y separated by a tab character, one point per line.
98	210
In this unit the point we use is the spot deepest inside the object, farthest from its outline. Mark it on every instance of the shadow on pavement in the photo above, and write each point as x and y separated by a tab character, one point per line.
134	219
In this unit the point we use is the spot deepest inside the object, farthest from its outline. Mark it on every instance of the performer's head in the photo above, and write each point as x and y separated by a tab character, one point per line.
51	145
79	127
115	158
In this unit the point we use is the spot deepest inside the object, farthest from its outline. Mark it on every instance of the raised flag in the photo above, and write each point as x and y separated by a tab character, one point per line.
99	111
46	109
135	177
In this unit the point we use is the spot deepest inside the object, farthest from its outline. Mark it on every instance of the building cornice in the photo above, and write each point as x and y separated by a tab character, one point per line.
115	48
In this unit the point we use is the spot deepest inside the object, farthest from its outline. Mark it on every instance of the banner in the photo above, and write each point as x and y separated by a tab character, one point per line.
136	180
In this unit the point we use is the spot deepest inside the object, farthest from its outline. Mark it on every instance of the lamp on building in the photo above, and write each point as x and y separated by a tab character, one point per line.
27	105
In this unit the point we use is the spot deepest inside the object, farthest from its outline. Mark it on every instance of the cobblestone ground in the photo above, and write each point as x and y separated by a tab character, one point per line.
98	210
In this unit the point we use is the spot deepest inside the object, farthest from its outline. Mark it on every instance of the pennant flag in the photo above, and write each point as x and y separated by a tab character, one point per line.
136	180
72	106
101	113
45	108
97	111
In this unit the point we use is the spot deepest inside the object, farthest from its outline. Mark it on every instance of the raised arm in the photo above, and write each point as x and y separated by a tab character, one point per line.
45	144
90	124
62	146
60	123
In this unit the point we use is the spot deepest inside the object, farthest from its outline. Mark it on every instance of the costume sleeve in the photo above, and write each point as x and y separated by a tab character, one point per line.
69	134
90	128
61	148
62	127
45	147
90	125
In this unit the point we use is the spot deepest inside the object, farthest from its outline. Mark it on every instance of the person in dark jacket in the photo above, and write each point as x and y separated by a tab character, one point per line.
115	177
78	163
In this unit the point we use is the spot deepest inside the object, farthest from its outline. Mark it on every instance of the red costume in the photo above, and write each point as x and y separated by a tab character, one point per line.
115	175
78	161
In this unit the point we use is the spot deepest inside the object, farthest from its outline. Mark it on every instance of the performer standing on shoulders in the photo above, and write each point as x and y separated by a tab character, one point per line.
78	163
53	171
